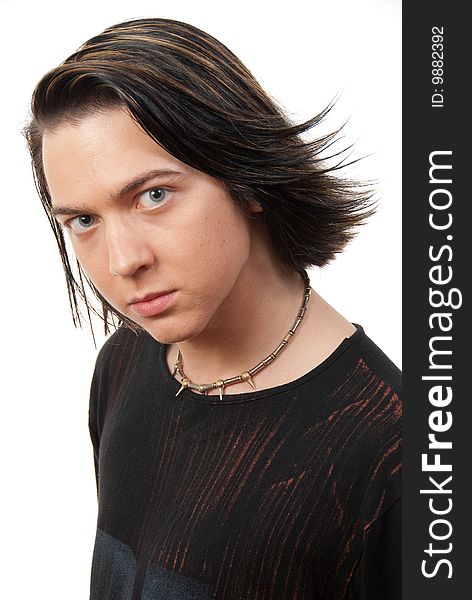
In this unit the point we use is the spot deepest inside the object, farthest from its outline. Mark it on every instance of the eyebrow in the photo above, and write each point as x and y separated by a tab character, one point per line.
123	191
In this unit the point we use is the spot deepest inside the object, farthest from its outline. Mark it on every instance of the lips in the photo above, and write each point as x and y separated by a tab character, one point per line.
152	304
150	296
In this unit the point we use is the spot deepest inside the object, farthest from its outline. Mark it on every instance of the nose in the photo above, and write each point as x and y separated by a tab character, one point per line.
127	250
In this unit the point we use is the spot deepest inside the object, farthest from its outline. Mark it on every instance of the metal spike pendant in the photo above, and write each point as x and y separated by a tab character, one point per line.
220	384
246	376
183	385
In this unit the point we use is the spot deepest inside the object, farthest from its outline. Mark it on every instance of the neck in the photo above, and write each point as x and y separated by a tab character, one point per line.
249	325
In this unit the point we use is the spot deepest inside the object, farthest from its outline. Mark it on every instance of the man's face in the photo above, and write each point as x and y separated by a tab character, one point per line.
141	223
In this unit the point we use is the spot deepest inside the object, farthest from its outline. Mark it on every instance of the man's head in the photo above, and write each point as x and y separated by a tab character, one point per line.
142	222
175	89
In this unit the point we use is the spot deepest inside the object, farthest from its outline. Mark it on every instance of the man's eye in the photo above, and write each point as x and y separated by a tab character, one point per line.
81	223
154	197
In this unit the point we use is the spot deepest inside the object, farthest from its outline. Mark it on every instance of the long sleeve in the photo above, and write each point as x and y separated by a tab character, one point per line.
93	419
378	574
109	373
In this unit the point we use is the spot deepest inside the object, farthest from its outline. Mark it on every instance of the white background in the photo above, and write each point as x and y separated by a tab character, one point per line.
303	53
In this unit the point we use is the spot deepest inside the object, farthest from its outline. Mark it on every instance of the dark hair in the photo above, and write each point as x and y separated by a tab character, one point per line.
201	104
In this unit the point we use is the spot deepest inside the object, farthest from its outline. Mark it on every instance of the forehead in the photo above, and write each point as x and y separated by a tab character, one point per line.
100	151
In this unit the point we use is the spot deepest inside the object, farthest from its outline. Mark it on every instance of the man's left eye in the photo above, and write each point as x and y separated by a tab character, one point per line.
154	197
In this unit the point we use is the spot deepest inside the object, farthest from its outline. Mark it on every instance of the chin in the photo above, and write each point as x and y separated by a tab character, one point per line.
172	330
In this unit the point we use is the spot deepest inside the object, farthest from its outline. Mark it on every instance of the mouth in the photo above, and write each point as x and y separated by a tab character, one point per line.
152	304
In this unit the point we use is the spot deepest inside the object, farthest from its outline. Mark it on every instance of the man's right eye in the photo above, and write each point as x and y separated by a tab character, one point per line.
81	223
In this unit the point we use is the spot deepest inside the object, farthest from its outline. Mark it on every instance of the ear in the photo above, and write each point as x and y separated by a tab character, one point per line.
255	206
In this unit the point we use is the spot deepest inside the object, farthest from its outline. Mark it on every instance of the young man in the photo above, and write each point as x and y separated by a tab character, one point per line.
246	435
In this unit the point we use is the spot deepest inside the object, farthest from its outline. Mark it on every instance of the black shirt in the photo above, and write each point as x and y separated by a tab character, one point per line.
287	493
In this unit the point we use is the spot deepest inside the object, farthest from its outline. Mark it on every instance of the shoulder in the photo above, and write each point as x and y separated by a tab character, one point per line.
371	413
376	388
122	340
119	348
370	390
117	363
365	391
118	359
374	361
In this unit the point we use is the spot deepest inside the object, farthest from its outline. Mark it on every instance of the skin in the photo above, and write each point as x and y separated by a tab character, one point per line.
232	303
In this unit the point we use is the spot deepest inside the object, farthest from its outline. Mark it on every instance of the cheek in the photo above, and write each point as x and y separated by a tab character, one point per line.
219	243
95	266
